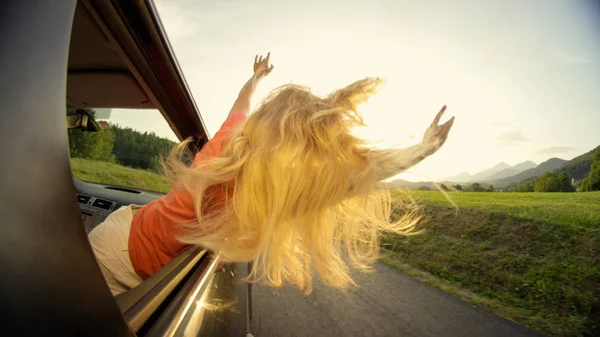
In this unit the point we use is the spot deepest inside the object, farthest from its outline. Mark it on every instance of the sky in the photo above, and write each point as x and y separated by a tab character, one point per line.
521	77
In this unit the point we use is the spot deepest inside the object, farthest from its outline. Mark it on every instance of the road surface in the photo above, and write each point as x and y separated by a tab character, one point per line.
388	303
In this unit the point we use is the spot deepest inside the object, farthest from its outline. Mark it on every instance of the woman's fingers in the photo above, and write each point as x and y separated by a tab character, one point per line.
444	129
437	118
261	64
448	126
449	123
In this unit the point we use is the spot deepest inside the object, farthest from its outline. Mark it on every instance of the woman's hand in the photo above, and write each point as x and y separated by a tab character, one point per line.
388	163
261	69
261	66
436	135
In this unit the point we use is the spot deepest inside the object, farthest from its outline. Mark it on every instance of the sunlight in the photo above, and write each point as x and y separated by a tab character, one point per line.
487	77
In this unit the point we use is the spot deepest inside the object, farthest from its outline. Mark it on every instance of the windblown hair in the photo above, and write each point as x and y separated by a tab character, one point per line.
302	190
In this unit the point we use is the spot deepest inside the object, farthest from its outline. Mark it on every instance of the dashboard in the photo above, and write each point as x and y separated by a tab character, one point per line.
97	201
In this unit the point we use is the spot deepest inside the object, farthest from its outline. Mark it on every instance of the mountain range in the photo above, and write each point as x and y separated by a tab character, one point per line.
499	171
503	175
549	165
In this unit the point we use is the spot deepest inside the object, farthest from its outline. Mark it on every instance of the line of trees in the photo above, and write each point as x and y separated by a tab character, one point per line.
475	187
547	182
124	146
92	145
524	187
553	182
140	150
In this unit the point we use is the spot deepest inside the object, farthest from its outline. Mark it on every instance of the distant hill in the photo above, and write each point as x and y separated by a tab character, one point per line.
485	175
513	170
579	166
407	185
411	185
526	165
460	178
547	166
501	170
480	176
509	172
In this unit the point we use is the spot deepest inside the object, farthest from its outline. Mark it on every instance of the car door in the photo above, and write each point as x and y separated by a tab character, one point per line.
49	278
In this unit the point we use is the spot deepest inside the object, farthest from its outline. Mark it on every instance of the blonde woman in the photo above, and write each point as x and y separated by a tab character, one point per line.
288	187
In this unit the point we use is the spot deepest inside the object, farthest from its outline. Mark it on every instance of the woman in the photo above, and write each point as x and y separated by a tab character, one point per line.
288	187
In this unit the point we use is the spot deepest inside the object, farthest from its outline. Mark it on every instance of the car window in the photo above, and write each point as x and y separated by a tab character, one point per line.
126	151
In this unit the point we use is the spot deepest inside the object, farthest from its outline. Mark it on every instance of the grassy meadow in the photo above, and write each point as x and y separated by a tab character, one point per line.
529	257
114	174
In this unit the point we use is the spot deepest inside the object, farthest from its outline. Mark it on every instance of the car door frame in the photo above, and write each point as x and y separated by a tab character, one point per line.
49	278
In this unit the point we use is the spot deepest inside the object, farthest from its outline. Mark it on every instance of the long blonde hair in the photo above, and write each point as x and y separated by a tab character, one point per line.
302	190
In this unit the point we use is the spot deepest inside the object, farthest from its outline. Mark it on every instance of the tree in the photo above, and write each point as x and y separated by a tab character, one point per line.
139	150
547	182
476	187
444	187
524	187
155	164
490	188
592	181
458	187
92	145
565	182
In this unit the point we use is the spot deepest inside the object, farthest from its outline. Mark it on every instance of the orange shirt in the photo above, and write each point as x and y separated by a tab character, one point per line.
152	242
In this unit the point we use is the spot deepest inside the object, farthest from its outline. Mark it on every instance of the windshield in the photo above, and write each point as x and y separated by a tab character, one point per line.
126	152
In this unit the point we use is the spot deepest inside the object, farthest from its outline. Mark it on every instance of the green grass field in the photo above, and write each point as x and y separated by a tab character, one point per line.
117	175
529	257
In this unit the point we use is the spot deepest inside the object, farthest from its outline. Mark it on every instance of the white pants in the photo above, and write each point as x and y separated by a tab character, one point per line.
110	242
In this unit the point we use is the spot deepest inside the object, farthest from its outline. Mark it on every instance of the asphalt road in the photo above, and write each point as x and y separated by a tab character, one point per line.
387	303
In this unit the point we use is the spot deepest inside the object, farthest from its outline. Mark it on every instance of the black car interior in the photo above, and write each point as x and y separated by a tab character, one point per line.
97	201
90	54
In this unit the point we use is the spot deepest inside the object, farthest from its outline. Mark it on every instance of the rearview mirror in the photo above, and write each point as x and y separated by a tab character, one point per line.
81	119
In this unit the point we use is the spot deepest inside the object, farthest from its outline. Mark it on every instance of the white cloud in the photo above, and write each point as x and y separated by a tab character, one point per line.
552	150
511	138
